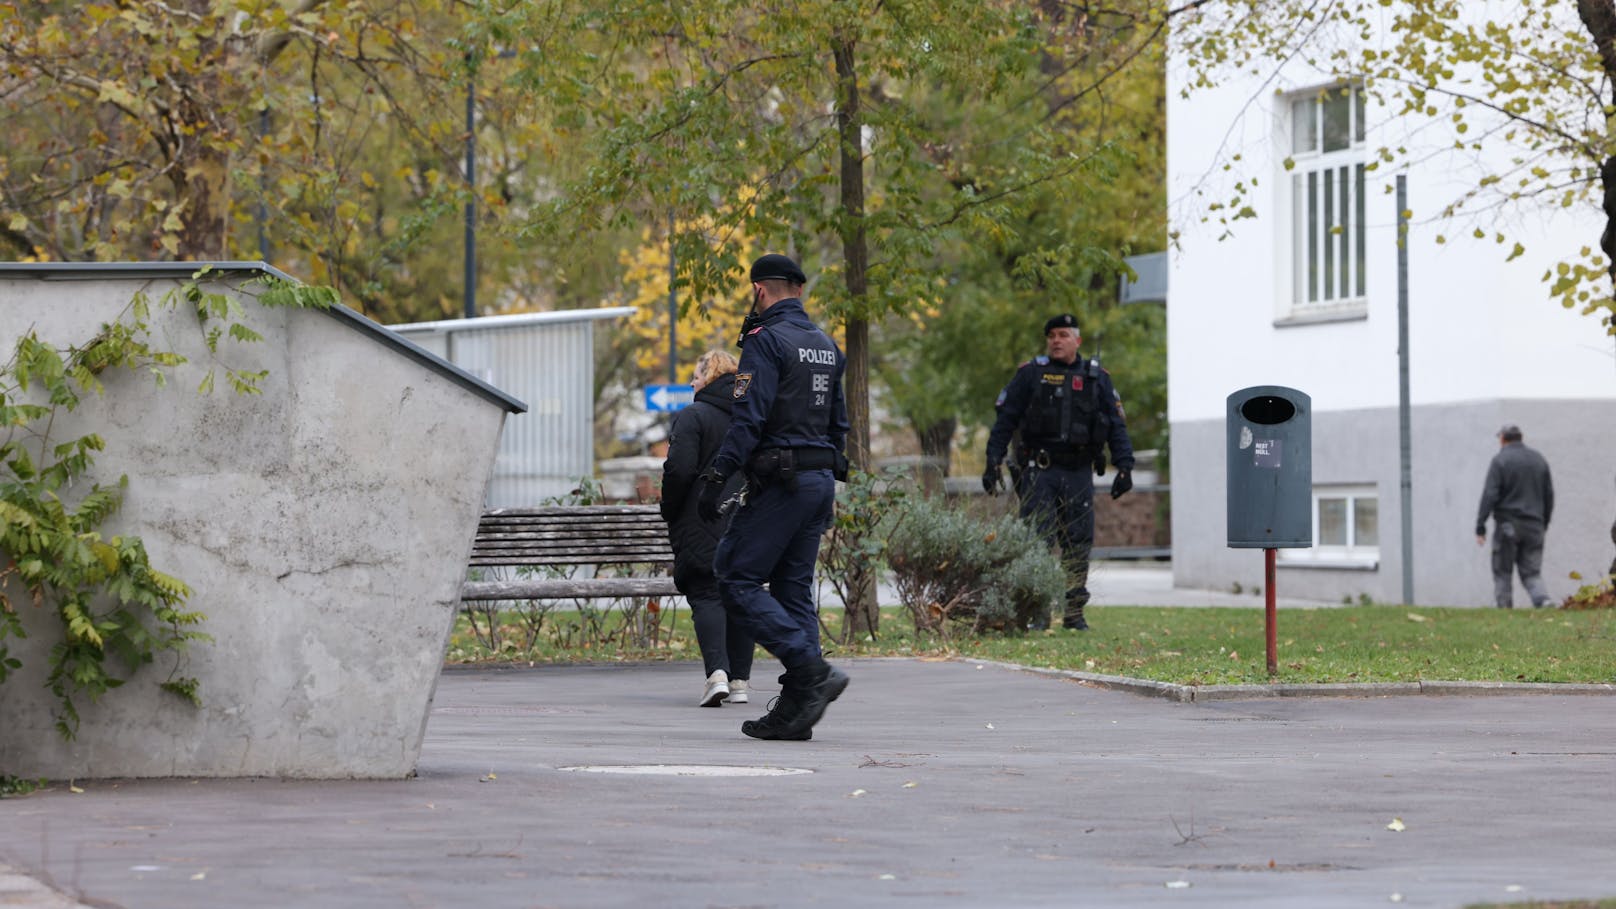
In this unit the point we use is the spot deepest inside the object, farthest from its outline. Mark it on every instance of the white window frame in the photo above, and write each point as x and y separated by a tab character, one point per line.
1363	557
1326	263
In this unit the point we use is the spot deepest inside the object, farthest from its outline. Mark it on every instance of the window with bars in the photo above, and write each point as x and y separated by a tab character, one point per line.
1327	196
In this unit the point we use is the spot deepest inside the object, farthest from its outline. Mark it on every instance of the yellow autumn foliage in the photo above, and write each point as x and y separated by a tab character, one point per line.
704	324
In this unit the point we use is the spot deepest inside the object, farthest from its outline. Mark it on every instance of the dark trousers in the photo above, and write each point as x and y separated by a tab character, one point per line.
1518	546
723	640
1059	503
774	540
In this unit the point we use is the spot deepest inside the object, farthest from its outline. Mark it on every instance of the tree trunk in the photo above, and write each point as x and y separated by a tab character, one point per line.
1599	17
202	178
937	448
202	187
864	616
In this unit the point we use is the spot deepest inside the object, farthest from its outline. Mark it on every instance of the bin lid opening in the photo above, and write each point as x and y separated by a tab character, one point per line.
1268	410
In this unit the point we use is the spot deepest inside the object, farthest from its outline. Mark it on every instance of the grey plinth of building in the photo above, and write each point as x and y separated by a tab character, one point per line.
322	525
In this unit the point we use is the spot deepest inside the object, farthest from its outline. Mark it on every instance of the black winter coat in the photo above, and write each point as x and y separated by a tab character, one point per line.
697	432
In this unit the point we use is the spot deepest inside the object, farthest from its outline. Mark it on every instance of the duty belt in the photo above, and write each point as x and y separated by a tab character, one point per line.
773	460
1043	458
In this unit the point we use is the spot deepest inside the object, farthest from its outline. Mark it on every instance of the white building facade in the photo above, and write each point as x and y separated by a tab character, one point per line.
1306	295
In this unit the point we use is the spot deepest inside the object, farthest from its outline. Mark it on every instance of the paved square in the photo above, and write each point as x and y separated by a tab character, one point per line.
932	784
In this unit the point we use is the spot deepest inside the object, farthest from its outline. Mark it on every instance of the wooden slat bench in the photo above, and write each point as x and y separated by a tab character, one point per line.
560	535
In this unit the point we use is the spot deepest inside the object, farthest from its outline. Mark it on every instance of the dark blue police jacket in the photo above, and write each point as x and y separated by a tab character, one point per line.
1035	387
788	389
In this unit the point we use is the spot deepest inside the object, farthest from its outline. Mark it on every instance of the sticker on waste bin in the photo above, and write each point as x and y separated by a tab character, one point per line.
1266	453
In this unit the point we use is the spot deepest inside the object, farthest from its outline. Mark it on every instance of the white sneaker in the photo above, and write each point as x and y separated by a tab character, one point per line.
737	692
717	689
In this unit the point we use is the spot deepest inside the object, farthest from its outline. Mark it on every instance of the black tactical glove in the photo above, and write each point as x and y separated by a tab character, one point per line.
710	496
1122	482
991	480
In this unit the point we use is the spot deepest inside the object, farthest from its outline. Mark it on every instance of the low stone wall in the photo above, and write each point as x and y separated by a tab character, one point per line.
1140	519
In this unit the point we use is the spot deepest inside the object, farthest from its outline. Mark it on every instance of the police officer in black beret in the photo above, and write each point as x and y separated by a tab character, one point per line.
1066	410
787	433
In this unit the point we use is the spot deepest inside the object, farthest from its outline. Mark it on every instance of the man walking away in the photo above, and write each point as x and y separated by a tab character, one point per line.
1519	496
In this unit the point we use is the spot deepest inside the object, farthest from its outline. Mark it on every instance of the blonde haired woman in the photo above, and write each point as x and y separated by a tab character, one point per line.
698	430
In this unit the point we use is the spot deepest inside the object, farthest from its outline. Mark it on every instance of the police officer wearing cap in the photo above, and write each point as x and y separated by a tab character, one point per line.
1066	409
787	433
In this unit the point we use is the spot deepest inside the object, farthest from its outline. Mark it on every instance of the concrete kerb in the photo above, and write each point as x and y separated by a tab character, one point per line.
1187	693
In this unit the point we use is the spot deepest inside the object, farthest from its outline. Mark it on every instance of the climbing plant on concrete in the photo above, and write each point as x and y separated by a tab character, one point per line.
118	612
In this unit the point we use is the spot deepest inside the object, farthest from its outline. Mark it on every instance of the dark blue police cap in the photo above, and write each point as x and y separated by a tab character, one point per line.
1064	320
775	267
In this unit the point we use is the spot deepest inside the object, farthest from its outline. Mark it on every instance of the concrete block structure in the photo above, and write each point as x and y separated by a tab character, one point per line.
322	525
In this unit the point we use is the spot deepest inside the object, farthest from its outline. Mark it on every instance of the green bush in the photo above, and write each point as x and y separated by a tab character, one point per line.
951	567
855	543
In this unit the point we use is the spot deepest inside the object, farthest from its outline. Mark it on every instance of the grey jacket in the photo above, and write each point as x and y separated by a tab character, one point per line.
1518	488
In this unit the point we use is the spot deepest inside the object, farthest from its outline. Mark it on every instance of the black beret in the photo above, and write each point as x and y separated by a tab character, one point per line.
775	267
1064	320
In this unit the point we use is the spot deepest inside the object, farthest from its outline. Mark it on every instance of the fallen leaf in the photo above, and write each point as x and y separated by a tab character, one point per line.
910	785
1416	617
1234	654
73	789
1396	825
488	779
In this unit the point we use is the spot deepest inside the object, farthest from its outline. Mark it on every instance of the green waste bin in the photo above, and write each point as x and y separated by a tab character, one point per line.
1270	468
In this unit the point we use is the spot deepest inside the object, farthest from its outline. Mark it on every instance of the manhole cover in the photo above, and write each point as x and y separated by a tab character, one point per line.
685	770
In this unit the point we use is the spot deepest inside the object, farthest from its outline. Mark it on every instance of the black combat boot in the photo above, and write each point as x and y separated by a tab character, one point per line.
781	722
776	724
804	694
1074	619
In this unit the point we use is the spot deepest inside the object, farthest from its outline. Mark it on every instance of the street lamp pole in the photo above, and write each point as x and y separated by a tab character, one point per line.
673	310
470	277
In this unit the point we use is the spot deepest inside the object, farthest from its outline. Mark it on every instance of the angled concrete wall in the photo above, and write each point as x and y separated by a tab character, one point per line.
323	526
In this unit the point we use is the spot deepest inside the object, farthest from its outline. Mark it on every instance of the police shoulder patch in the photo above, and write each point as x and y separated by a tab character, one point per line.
742	380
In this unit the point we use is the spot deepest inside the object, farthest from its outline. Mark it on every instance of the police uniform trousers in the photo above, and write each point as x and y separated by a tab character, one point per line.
1059	503
1518	546
774	540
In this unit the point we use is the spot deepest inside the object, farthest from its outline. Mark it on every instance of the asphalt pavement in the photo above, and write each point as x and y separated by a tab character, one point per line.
930	783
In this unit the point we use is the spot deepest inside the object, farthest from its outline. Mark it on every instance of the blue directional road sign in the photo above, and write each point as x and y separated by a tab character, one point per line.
666	398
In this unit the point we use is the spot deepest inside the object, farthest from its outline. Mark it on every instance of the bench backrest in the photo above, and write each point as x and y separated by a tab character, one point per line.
571	535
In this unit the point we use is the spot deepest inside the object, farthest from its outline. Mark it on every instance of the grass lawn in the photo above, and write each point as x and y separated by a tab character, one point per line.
1189	646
